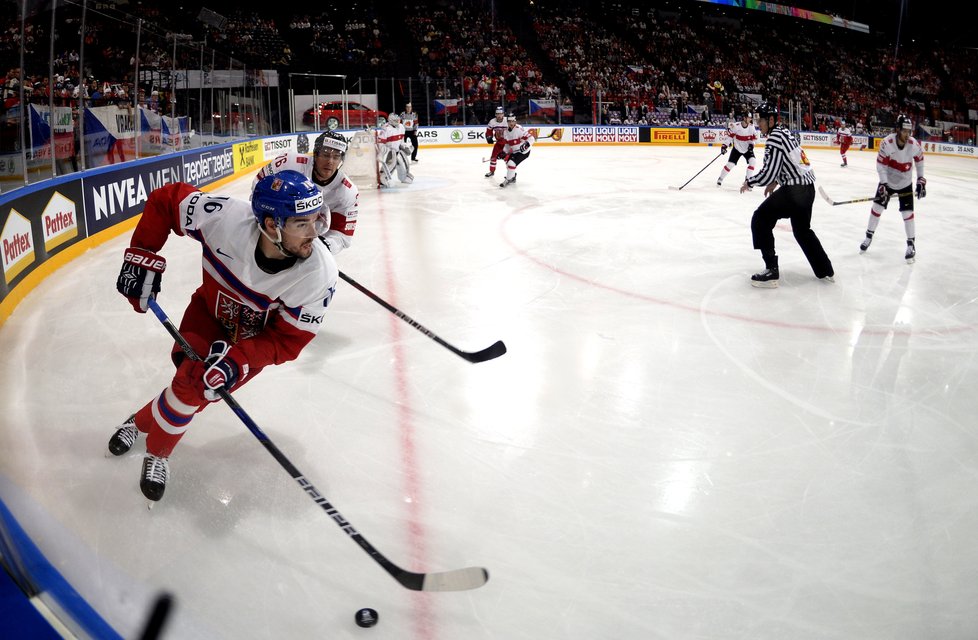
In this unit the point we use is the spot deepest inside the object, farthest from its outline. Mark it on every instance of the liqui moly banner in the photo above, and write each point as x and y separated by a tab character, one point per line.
110	134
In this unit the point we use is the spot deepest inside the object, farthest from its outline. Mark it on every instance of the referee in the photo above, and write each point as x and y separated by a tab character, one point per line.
787	166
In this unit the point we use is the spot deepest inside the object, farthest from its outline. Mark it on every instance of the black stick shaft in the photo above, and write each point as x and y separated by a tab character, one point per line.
701	170
492	351
411	580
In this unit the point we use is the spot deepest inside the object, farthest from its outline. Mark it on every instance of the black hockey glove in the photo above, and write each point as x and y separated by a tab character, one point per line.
723	150
524	148
490	140
139	279
921	188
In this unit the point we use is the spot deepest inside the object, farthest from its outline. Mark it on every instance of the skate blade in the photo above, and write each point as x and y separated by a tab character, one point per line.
770	284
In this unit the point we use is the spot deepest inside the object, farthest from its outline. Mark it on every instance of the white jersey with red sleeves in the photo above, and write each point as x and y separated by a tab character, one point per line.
894	164
391	136
339	194
497	127
843	135
515	138
741	137
269	316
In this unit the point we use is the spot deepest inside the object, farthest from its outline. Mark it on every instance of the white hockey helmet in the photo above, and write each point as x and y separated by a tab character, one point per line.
393	118
511	117
500	110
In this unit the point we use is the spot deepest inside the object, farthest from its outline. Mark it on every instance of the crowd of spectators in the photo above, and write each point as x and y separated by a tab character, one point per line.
680	66
471	55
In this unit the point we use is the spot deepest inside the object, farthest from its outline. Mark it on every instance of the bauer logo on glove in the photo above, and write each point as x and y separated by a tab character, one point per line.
140	277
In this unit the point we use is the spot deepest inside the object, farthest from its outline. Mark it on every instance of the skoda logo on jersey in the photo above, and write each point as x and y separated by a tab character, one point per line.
456	136
315	203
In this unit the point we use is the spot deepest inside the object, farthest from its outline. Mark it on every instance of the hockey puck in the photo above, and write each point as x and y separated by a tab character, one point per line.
366	618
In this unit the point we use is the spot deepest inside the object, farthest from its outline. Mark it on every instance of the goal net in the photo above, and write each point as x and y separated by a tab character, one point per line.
360	164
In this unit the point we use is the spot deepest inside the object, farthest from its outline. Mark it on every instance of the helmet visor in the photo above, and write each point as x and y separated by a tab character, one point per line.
311	226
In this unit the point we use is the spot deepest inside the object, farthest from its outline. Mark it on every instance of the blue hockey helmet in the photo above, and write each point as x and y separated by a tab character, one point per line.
287	194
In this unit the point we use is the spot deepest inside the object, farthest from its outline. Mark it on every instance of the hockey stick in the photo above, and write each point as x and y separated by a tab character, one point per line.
835	203
455	580
556	134
492	351
698	172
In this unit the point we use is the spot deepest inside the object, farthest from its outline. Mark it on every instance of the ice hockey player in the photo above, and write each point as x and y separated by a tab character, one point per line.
899	152
494	136
743	135
393	153
325	170
843	138
267	281
789	193
517	148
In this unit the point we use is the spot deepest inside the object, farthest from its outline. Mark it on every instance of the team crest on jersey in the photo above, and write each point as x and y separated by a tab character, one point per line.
239	320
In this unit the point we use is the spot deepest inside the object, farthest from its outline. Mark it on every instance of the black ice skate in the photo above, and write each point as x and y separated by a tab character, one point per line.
911	255
508	181
767	279
124	437
490	174
868	241
156	470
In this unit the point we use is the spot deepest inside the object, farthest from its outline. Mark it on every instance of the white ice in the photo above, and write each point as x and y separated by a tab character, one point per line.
665	451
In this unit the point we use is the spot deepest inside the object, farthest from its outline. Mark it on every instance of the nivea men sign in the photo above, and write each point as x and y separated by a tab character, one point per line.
115	196
203	168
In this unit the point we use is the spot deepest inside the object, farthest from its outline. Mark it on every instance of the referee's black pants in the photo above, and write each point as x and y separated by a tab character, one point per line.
793	202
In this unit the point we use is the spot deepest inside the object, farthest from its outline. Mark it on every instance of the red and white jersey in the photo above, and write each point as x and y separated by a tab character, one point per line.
497	127
741	137
515	138
391	136
270	317
339	194
843	135
893	163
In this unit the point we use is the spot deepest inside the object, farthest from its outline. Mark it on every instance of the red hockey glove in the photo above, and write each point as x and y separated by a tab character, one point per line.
139	279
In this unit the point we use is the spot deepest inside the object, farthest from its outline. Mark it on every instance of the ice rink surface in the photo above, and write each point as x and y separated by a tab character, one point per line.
665	451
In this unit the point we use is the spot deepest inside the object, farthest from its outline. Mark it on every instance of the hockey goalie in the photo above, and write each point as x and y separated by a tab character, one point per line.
393	153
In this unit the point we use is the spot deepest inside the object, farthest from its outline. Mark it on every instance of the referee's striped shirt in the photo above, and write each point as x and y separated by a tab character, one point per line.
784	161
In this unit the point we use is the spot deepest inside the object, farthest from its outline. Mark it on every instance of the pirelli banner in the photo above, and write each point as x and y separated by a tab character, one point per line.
662	135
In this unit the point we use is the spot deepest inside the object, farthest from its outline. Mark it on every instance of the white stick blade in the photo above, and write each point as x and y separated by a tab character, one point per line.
457	580
822	193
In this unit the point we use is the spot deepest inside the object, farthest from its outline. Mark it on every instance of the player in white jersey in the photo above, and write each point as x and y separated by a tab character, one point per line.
339	193
743	135
517	143
267	281
898	154
393	153
494	136
843	138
